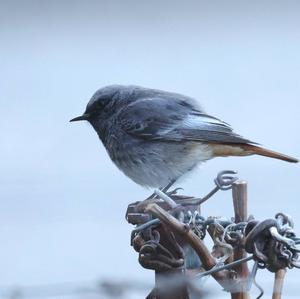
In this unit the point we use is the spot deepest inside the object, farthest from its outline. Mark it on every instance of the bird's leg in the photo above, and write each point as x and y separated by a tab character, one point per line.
162	189
166	188
172	192
154	198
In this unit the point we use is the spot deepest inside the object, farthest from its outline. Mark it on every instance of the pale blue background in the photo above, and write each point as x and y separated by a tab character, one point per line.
62	200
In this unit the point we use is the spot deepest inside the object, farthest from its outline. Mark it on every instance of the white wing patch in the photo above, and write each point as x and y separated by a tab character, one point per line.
201	121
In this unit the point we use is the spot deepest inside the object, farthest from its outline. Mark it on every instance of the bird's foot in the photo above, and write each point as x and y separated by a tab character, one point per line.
164	190
173	192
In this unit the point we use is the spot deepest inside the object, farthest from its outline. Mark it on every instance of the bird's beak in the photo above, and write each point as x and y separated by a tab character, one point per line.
84	116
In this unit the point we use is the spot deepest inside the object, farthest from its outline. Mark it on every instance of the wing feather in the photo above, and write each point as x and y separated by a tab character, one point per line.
174	120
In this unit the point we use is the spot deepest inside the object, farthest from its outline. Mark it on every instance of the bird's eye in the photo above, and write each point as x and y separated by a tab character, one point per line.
100	104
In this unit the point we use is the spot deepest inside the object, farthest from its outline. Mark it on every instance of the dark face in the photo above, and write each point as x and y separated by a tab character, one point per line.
100	106
97	108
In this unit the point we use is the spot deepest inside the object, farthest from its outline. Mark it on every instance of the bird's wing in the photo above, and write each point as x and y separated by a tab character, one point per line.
175	120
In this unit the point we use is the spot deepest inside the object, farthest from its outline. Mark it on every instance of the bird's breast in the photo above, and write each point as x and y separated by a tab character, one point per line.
155	163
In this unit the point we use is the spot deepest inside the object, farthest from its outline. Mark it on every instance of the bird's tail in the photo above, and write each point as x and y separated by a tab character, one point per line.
257	150
244	149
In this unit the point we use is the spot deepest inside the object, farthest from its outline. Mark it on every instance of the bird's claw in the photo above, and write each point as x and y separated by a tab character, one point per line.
173	192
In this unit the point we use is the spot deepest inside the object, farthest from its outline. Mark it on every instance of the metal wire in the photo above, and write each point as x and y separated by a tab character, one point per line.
225	267
262	292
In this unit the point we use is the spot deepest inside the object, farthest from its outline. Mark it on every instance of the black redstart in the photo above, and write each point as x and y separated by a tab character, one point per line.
155	136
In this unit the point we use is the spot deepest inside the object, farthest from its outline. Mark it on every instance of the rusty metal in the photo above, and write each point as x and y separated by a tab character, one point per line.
272	244
240	205
170	222
160	251
278	283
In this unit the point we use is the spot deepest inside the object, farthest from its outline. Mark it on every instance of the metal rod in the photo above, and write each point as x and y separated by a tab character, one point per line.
252	276
240	204
165	198
225	267
146	225
198	201
278	284
188	236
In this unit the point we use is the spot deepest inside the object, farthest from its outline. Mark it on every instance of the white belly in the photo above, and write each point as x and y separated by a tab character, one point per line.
159	163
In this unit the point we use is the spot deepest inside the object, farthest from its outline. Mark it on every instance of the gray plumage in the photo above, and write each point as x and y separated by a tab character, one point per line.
154	136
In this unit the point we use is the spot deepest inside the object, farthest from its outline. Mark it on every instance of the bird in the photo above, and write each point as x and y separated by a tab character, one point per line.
156	137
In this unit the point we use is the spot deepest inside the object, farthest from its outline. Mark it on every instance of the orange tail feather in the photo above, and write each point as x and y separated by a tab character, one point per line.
253	149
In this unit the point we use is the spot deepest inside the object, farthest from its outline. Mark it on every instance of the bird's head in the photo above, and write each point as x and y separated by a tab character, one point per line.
101	105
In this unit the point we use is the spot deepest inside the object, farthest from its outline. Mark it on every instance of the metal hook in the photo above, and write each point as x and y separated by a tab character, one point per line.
225	179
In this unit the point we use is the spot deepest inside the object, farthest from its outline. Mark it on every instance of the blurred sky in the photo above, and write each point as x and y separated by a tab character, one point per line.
62	200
